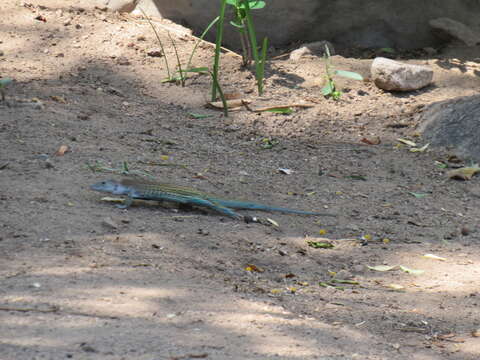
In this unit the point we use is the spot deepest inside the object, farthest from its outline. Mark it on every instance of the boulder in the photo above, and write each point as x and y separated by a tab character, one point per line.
454	124
374	24
449	29
392	75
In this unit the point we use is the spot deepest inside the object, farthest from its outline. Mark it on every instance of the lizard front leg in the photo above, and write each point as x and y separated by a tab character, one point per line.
126	203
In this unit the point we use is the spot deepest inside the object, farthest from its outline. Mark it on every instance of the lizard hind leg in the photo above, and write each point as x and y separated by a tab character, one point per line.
216	207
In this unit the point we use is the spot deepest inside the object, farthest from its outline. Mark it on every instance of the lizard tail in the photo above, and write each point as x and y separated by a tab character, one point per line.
254	206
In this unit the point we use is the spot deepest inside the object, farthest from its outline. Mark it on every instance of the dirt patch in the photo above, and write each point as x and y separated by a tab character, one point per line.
80	278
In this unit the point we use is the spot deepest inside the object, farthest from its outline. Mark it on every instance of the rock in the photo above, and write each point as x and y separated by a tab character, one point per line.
449	29
344	275
122	6
109	223
430	51
155	53
454	124
400	24
396	76
316	48
123	60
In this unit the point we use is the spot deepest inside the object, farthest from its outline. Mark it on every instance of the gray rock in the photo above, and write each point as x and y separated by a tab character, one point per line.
316	48
449	29
392	75
454	124
110	223
386	23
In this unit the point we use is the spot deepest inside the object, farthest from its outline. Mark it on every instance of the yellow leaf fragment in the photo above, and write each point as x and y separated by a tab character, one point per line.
253	268
276	291
422	149
434	257
407	142
411	271
396	287
381	268
322	231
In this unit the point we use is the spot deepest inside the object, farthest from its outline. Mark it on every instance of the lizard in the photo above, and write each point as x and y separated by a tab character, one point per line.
151	190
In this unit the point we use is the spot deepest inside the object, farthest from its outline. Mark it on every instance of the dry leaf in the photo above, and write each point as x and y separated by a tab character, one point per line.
283	106
232	96
381	268
61	150
396	287
434	257
422	149
253	268
234	104
58	99
407	142
373	141
464	173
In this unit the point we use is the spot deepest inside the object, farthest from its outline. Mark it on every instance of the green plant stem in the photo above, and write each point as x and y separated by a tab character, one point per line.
179	64
218	45
253	43
200	39
159	42
222	96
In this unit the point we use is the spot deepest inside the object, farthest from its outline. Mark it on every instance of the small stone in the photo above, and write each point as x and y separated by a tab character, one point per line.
155	53
358	268
2	53
122	60
78	26
343	275
316	48
430	51
109	223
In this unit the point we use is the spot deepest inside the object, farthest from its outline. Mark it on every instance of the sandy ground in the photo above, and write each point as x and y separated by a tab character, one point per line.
82	279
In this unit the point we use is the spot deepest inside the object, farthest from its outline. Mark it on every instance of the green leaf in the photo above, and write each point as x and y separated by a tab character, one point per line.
4	82
320	244
387	50
328	89
356	177
253	4
418	195
349	74
339	281
285	111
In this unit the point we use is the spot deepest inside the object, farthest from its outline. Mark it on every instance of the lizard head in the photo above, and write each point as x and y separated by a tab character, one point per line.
109	186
